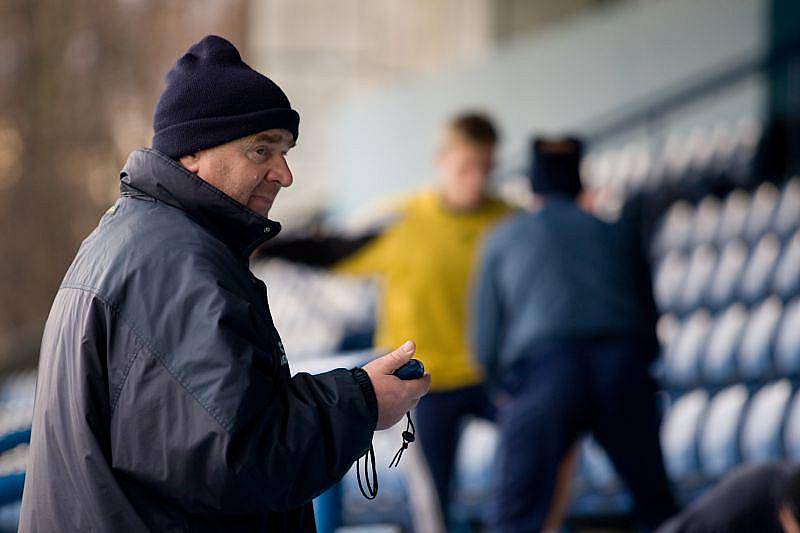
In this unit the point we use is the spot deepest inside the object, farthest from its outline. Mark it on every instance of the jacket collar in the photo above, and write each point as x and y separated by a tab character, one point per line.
157	175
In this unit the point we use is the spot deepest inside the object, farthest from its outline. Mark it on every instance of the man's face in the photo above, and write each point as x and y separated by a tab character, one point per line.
463	170
251	170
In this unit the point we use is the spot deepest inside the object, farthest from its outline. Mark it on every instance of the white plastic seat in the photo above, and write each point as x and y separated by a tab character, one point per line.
719	449
669	280
734	215
682	360
787	342
675	229
719	361
706	221
728	273
680	434
762	208
698	277
755	282
786	278
755	349
761	433
787	216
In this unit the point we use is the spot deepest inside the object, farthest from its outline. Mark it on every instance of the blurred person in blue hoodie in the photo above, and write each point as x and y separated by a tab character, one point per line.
563	322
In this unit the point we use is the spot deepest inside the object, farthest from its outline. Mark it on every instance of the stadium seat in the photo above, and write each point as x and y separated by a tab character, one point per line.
669	280
675	230
719	361
682	360
597	467
755	282
787	343
786	279
762	208
728	273
761	433
473	472
679	435
787	215
734	215
756	345
698	278
391	504
791	432
719	450
706	221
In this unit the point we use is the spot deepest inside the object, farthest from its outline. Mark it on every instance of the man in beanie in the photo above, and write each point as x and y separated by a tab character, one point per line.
164	399
563	322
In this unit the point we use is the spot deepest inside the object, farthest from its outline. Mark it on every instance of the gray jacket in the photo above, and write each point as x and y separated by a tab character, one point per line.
164	400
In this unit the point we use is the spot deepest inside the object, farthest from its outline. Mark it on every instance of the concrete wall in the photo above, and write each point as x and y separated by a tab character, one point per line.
562	78
322	53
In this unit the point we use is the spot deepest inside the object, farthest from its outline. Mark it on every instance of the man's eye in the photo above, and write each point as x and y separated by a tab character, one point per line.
261	151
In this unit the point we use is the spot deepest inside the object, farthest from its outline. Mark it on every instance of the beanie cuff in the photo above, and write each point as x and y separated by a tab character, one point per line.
188	137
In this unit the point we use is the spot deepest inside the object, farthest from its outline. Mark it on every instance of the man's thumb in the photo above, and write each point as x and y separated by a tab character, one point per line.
394	360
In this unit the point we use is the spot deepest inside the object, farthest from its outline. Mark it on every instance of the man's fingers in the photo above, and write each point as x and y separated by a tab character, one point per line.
419	387
394	360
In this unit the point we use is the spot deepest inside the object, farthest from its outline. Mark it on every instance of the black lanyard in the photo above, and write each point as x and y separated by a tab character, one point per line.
371	490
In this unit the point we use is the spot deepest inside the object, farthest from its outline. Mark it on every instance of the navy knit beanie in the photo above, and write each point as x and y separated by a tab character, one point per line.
213	97
555	166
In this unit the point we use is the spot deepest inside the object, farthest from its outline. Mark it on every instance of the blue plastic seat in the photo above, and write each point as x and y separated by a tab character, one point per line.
679	435
682	359
786	278
787	342
761	433
755	350
755	282
719	448
719	360
728	273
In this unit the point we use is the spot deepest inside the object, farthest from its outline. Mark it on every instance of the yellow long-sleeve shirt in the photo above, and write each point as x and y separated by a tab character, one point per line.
425	262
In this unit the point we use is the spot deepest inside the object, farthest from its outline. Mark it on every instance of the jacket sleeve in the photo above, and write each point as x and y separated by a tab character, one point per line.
307	437
210	419
486	313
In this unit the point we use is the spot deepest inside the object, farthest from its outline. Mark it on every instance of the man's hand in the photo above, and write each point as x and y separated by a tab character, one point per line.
395	396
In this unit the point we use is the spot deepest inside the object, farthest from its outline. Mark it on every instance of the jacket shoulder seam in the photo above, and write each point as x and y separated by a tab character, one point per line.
157	355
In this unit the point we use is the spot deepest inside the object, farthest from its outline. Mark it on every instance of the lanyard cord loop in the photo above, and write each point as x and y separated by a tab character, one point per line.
372	487
369	488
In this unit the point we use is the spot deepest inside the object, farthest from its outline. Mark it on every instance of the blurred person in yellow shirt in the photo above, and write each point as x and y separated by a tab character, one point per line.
425	262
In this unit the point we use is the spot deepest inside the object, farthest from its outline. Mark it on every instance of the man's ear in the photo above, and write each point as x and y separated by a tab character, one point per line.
191	162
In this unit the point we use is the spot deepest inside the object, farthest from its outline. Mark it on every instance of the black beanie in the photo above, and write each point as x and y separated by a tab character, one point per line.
555	166
213	97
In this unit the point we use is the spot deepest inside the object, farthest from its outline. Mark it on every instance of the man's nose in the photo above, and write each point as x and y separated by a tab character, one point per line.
281	173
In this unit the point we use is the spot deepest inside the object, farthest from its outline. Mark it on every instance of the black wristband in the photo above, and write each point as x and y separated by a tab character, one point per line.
362	378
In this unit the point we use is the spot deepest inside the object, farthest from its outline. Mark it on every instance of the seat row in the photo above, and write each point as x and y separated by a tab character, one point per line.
740	215
735	344
715	278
